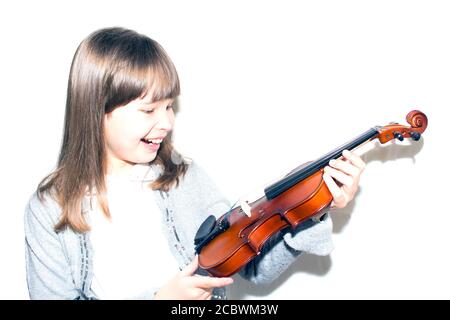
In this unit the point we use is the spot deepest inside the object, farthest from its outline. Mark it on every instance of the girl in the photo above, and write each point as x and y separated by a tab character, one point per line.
120	189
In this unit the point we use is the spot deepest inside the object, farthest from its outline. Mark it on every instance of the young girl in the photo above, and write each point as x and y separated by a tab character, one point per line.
120	190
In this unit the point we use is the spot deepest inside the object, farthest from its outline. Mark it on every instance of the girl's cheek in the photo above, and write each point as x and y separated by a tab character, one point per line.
144	129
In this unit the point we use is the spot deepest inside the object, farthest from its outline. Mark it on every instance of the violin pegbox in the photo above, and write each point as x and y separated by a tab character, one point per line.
418	123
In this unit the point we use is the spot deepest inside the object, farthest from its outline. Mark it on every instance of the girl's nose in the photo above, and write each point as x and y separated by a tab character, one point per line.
165	120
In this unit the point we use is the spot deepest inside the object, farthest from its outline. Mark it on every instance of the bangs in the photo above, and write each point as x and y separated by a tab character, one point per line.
161	82
150	72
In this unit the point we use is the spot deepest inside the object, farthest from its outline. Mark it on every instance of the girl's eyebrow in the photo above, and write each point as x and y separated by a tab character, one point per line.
149	102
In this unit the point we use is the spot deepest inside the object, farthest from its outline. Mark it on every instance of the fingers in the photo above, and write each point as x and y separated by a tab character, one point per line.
210	282
345	167
197	286
339	198
206	295
188	285
203	281
351	164
354	159
201	294
340	176
346	171
190	268
201	287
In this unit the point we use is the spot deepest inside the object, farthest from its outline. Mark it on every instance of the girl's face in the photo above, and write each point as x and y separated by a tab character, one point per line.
133	132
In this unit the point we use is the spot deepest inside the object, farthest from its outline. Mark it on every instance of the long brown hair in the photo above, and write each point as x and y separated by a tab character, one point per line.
110	68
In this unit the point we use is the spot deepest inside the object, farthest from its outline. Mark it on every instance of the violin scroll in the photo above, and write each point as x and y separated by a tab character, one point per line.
418	121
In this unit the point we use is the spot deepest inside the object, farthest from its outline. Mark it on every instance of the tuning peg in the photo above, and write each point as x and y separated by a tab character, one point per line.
415	135
398	136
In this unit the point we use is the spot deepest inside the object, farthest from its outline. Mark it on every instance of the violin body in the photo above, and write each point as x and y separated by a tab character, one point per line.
227	244
246	235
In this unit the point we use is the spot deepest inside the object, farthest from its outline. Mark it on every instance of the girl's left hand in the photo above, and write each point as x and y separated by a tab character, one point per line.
347	173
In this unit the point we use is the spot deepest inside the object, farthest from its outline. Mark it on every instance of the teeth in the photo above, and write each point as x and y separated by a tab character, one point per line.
155	141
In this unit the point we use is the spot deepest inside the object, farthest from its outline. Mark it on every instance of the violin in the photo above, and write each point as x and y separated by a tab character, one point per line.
227	244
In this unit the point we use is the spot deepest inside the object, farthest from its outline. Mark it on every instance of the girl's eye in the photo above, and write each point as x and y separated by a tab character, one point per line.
149	111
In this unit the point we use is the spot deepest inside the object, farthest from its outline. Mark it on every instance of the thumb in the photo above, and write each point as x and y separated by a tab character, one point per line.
191	267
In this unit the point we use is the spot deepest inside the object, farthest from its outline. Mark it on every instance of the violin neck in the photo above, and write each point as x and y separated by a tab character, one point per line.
292	179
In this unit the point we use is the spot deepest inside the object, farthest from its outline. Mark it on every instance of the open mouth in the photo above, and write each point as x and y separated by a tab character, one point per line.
152	141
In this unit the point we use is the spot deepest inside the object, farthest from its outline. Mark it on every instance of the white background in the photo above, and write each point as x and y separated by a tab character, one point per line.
266	86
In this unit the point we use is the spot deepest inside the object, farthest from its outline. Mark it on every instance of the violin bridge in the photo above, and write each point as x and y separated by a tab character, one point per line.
250	198
246	207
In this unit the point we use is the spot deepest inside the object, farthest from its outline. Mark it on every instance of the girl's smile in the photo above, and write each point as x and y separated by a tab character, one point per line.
152	144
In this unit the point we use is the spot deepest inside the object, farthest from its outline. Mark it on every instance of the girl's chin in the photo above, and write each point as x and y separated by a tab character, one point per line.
146	159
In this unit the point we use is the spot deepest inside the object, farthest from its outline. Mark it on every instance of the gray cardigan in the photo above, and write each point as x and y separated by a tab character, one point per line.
59	265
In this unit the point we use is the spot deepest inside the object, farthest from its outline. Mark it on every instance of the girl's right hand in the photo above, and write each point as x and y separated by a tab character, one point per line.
188	286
